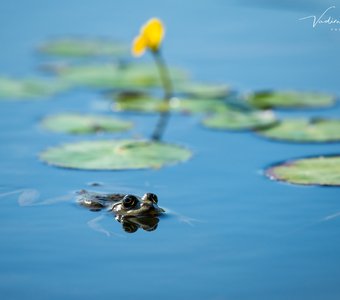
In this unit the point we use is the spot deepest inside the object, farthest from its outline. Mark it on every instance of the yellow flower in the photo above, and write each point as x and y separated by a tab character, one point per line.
150	37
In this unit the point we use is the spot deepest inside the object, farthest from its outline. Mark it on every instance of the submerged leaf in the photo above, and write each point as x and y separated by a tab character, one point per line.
115	155
30	88
28	197
289	99
84	124
308	171
239	120
78	47
304	130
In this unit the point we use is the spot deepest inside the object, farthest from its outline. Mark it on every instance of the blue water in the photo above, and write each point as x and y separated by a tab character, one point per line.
251	238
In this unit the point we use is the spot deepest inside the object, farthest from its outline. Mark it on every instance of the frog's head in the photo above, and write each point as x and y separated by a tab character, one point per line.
132	206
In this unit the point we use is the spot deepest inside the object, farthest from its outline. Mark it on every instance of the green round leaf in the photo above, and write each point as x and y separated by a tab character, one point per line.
308	171
304	130
201	105
129	94
98	76
141	104
84	124
239	120
154	105
30	88
290	99
73	47
115	155
202	90
114	76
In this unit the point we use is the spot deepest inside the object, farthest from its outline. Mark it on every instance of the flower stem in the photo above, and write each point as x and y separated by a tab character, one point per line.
168	91
164	74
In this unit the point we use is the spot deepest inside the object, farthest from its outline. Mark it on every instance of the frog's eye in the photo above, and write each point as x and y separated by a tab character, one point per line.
130	201
152	197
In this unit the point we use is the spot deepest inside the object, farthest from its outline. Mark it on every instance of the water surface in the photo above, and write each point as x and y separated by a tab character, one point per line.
253	238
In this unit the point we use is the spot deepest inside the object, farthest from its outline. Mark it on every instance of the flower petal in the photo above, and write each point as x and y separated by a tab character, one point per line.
138	46
153	32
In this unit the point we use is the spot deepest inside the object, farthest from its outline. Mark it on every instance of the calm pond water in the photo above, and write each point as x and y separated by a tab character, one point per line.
250	238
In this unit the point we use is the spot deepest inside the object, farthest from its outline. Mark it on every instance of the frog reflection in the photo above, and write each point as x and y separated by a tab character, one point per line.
131	211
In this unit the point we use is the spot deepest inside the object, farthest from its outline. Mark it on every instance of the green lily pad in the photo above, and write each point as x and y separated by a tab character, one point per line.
154	105
141	104
198	105
290	99
84	124
114	76
304	130
115	155
126	95
98	76
30	88
239	120
202	90
308	171
73	47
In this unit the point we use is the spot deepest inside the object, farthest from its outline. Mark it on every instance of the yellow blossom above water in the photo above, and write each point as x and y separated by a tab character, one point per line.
150	37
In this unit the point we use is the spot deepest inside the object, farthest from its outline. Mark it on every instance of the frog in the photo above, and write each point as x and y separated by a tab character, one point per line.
132	211
146	214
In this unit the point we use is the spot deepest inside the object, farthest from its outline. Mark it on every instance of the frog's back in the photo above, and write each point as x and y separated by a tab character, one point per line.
98	201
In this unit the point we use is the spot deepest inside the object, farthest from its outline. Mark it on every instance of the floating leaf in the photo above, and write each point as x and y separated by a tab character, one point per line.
304	130
115	155
31	88
202	90
83	124
129	95
141	104
199	105
151	105
114	76
99	76
290	99
308	171
238	120
76	47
